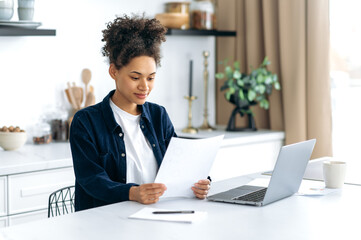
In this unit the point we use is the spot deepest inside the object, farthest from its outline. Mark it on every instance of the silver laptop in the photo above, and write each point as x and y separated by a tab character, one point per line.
285	180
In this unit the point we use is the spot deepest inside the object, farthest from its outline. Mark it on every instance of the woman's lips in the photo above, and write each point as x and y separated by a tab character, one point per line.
141	95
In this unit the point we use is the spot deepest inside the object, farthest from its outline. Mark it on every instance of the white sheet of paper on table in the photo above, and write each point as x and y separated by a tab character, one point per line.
185	162
147	214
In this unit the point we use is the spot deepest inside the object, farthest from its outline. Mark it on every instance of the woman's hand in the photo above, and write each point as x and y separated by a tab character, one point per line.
147	193
201	188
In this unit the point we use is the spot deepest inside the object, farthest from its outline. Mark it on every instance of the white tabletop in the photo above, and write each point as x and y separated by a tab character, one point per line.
297	217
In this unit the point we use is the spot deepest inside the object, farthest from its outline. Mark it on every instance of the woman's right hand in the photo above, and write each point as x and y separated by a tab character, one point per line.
147	193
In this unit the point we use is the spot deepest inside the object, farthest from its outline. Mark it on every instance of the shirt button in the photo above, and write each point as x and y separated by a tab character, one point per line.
142	126
153	145
123	154
120	134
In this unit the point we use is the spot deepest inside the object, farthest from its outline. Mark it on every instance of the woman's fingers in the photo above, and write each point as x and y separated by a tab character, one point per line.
150	193
201	188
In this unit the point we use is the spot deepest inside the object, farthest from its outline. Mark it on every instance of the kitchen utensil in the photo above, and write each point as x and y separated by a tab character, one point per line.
71	97
78	93
85	77
90	97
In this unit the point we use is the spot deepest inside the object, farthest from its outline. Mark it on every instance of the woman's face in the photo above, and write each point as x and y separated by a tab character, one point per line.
134	82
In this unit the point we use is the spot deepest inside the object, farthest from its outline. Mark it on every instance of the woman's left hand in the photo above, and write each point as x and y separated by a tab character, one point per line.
201	188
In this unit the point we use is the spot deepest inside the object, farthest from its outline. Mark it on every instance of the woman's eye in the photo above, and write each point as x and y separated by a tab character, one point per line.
150	79
135	78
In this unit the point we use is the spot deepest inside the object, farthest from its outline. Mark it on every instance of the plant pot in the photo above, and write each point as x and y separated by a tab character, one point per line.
232	120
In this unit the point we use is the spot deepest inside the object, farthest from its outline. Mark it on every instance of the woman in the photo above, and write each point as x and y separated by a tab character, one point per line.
118	144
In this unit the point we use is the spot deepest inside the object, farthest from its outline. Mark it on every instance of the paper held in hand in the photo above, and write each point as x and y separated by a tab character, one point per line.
186	162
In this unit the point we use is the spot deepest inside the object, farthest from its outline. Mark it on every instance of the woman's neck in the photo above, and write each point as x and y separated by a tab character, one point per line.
121	103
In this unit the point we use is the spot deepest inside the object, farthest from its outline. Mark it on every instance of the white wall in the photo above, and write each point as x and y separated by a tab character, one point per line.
34	70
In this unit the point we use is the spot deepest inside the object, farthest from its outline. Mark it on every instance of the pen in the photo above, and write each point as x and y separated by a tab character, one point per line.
174	212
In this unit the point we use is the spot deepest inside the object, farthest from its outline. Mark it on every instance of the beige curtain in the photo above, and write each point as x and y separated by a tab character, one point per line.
294	34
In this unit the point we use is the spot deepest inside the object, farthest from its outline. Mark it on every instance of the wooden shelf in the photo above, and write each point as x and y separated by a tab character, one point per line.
195	32
12	31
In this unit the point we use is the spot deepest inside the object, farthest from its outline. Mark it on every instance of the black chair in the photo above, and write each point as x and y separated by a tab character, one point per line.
61	202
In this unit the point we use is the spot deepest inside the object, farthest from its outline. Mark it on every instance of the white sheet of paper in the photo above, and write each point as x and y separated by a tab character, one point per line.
186	162
314	188
147	214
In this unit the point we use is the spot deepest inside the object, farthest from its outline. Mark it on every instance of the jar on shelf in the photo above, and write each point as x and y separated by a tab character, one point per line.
60	125
41	133
202	14
177	7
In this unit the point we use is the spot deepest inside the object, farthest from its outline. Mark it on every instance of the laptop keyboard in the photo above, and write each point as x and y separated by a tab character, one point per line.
256	196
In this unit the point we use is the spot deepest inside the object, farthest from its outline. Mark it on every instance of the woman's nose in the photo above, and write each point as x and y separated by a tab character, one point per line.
143	85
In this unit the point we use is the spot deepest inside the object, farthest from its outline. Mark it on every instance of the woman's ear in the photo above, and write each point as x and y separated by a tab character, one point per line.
113	71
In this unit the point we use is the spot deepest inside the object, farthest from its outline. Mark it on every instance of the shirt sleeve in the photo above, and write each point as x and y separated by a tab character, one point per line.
89	173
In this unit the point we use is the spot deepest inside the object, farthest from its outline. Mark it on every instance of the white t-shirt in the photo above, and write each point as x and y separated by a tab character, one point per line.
142	166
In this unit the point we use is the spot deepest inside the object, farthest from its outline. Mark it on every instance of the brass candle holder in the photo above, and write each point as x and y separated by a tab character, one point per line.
206	126
190	128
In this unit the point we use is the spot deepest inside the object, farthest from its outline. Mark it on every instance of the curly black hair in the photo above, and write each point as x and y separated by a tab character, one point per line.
129	37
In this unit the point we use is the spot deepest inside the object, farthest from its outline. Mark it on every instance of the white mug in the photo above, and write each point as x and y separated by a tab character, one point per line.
334	173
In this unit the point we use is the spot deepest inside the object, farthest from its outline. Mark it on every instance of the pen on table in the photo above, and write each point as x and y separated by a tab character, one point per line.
173	212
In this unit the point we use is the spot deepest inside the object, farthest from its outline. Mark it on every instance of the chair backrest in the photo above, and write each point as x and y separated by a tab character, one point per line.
61	202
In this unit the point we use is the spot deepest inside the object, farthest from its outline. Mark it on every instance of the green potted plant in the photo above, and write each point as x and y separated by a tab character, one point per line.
244	90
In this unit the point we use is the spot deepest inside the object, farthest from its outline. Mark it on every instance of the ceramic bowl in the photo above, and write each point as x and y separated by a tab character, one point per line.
6	13
174	20
6	4
12	140
26	13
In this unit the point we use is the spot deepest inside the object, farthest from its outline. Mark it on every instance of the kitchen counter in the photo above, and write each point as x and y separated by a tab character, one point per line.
32	157
28	176
237	138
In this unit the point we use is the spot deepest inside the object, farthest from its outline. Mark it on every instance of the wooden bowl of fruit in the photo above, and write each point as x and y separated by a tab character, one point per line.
12	138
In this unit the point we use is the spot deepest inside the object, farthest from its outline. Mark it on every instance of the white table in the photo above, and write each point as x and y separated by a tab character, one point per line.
297	217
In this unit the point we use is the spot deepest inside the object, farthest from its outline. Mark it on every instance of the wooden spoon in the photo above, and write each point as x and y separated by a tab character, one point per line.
78	95
70	95
85	77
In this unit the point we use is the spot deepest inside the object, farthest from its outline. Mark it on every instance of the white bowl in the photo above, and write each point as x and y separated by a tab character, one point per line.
6	13
12	140
6	3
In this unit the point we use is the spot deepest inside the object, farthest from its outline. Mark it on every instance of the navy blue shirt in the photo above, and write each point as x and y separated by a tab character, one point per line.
98	150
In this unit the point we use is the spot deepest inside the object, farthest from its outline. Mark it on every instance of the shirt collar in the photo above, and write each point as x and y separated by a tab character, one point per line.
145	113
109	115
